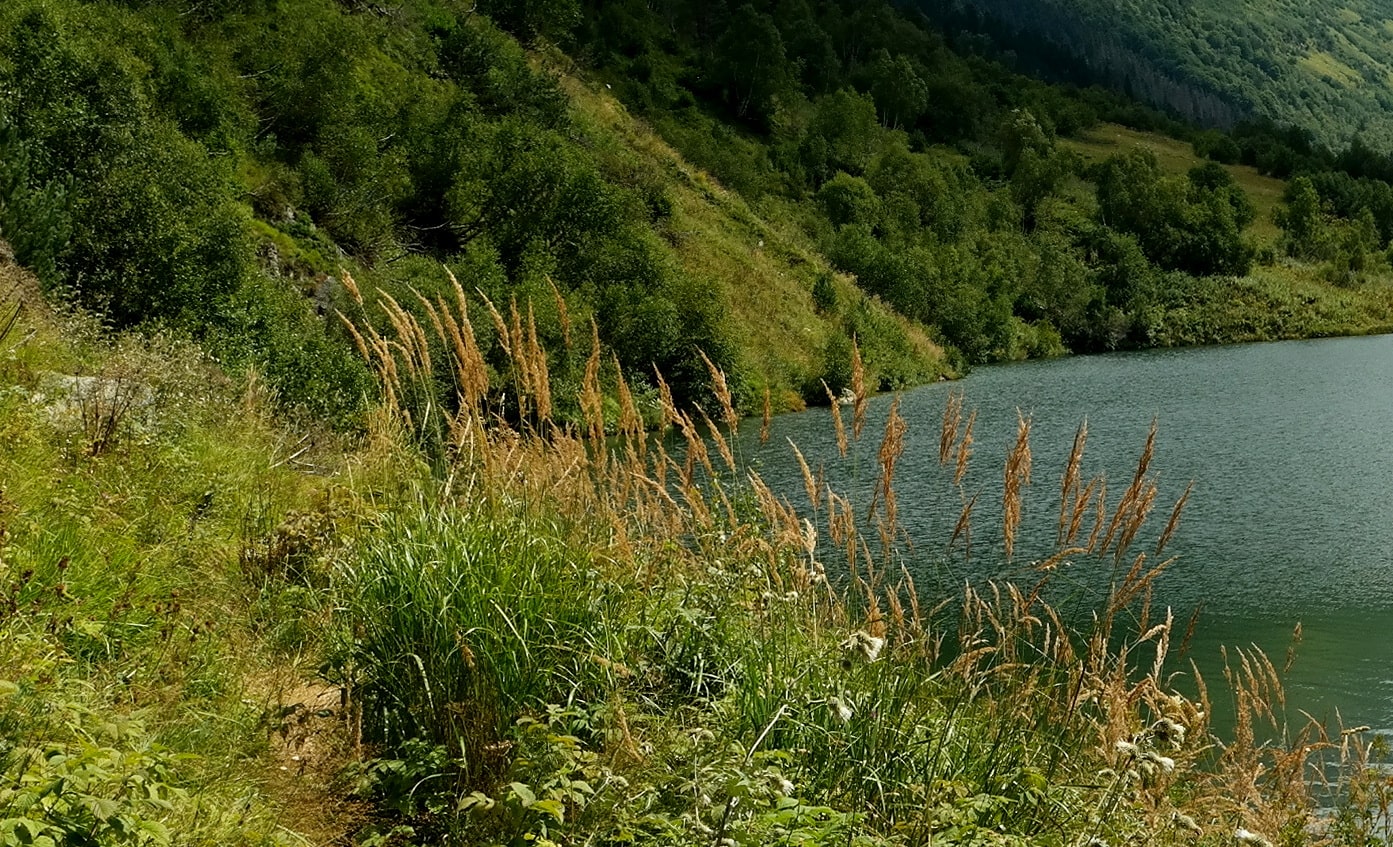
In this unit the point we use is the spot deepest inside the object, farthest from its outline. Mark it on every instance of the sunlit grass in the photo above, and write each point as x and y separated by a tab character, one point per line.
763	267
537	637
610	641
125	639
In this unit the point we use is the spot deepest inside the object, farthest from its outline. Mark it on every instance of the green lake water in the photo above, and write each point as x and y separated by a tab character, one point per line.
1289	445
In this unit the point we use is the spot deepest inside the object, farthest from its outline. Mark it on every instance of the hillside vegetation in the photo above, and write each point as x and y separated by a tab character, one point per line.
1063	232
1325	65
331	505
210	169
758	185
216	630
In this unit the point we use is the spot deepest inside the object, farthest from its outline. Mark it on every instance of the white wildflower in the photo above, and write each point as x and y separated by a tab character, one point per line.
1127	748
1252	839
867	645
843	710
785	787
791	597
1187	823
1165	763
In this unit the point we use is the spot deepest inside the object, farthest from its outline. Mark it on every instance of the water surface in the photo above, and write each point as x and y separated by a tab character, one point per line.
1289	446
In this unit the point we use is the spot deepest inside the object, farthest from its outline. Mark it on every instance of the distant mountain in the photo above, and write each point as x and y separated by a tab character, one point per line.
1323	65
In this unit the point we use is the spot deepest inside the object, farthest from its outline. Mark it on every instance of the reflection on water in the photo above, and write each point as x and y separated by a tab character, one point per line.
1289	445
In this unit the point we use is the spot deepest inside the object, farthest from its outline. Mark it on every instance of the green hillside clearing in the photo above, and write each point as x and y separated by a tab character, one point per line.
1178	157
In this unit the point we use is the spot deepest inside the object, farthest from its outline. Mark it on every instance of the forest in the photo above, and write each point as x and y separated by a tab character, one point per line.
1323	66
211	167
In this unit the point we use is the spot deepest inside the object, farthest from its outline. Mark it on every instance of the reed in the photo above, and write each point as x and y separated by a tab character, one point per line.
834	403
1174	520
964	450
1069	487
700	620
1017	476
891	449
723	397
631	424
948	432
590	397
858	389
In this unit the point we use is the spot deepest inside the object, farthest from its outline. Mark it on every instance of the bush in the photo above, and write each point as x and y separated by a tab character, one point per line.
34	217
846	199
304	358
459	624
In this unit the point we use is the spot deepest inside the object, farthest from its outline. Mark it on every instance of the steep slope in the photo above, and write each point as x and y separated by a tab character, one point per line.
213	168
1322	65
764	274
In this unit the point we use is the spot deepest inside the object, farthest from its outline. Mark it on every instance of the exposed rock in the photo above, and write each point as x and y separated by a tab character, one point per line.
92	398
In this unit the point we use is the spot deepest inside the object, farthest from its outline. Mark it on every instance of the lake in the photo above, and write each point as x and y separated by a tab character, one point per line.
1289	446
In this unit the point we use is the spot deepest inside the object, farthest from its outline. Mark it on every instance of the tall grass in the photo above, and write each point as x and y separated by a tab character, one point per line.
681	646
461	623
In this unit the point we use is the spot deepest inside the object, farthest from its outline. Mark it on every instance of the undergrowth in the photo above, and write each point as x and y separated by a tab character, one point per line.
138	692
476	626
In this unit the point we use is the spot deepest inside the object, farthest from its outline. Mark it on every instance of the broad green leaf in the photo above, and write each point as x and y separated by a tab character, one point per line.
552	808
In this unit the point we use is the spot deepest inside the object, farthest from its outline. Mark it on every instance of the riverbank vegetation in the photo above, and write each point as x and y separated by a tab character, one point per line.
218	630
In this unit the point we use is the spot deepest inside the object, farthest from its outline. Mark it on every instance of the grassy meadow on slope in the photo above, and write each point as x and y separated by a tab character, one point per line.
1277	299
1176	156
766	274
146	653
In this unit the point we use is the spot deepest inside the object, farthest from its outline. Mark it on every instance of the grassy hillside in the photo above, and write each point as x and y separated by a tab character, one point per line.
760	186
147	666
1280	299
1325	65
765	273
